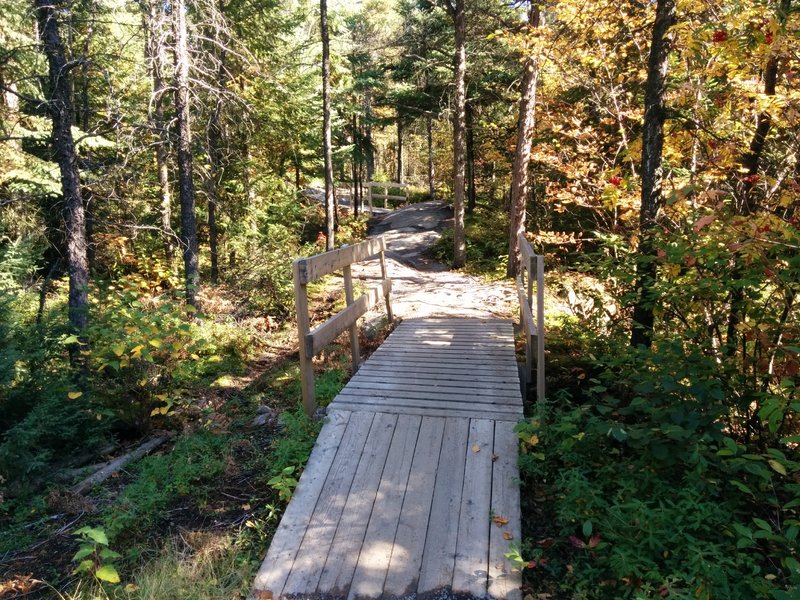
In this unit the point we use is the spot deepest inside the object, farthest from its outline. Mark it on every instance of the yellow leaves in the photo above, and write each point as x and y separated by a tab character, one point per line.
155	343
671	271
499	520
74	395
508	536
118	349
476	448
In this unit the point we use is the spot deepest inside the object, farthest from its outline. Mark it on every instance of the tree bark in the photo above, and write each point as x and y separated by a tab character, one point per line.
61	112
399	149
327	150
154	54
356	159
459	105
185	169
651	172
526	122
431	168
472	196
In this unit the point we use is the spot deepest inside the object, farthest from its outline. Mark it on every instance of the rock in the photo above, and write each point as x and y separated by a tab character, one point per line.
264	416
320	413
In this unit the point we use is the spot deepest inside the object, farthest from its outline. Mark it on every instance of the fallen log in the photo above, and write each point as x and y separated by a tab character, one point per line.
115	465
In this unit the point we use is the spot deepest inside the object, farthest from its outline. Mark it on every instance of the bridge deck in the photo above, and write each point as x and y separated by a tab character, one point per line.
411	490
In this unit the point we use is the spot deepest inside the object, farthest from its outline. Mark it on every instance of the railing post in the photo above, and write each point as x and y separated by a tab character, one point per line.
349	298
369	197
303	328
540	328
388	295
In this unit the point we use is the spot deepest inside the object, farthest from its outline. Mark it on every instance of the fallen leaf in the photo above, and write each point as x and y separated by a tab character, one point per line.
577	542
263	594
476	448
702	222
74	395
507	535
494	457
545	542
499	521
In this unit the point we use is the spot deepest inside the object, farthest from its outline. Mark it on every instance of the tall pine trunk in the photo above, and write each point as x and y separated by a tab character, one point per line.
431	168
399	149
526	122
185	170
330	208
652	172
472	193
61	112
459	150
154	53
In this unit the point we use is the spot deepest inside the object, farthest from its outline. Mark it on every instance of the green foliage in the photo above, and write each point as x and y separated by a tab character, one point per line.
284	483
94	556
294	446
649	494
487	243
160	480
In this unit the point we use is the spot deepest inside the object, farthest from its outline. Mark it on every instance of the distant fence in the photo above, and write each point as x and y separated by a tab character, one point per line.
384	195
532	320
307	270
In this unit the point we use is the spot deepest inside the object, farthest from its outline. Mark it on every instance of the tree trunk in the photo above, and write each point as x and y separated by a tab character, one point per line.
526	122
652	172
154	54
459	102
431	168
471	191
399	149
185	171
330	207
356	158
61	112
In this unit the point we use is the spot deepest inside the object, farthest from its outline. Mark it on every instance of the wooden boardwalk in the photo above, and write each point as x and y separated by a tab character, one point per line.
412	488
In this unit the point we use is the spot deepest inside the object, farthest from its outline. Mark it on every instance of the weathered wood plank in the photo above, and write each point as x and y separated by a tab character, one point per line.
438	559
437	390
450	377
436	355
504	582
343	554
312	268
376	551
426	411
318	536
472	557
472	402
275	569
454	368
409	542
448	381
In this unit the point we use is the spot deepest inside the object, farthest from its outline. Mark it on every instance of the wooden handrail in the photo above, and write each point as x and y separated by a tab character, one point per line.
532	268
384	185
306	270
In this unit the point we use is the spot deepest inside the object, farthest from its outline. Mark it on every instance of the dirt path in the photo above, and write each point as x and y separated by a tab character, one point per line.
422	287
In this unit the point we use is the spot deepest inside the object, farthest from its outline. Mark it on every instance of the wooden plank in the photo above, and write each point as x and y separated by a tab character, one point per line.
472	556
303	324
325	333
438	560
427	412
375	377
321	528
452	353
413	363
343	554
525	247
372	400
385	184
404	339
376	551
429	399
435	357
355	351
540	328
409	542
504	582
431	389
313	267
278	563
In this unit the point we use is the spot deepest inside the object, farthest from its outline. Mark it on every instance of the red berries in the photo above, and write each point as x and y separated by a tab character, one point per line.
720	35
616	180
768	37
